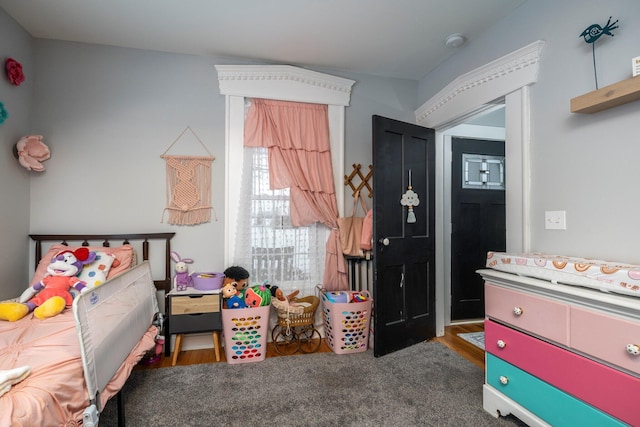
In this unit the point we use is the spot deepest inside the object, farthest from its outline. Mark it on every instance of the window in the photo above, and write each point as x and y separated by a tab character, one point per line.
282	82
270	247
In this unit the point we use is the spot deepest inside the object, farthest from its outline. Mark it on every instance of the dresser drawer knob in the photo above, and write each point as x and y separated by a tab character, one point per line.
518	311
633	349
501	344
504	380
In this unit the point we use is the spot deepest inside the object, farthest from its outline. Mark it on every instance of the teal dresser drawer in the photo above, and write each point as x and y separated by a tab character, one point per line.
547	402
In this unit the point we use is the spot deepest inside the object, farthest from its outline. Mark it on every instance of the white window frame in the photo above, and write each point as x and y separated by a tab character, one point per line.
284	83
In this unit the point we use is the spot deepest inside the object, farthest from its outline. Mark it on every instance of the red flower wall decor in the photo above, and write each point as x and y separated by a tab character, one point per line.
14	71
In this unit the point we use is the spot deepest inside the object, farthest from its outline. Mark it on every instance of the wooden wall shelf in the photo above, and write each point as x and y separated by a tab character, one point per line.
607	97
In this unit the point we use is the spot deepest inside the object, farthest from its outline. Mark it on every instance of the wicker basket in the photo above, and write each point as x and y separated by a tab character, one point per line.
293	315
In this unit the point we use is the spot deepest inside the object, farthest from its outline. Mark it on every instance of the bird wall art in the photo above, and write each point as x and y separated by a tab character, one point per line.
592	34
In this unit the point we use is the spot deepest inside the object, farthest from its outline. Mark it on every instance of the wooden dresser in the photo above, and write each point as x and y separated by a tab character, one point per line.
560	355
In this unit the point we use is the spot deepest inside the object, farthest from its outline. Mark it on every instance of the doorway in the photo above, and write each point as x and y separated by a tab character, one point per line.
477	220
507	78
488	125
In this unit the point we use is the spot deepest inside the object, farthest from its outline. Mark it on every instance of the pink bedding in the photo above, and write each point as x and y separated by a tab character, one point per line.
54	393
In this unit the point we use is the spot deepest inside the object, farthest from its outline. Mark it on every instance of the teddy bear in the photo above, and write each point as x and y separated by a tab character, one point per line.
31	151
231	296
52	293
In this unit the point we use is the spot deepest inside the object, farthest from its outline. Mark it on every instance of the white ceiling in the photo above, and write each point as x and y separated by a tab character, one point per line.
391	38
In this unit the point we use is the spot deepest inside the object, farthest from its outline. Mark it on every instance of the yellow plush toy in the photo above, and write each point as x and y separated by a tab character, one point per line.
52	292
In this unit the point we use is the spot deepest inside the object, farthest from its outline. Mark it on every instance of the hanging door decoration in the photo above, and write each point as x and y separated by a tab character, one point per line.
410	199
188	186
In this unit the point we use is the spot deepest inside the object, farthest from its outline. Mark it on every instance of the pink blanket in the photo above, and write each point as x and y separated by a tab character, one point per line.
54	393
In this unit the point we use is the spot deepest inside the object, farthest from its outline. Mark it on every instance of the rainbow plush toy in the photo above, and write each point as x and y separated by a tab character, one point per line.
358	297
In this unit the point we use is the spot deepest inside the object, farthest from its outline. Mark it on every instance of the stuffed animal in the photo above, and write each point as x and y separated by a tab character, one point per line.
277	293
257	296
30	151
239	276
182	279
53	293
230	295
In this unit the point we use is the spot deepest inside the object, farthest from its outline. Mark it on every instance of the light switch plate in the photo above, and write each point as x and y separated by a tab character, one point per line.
555	220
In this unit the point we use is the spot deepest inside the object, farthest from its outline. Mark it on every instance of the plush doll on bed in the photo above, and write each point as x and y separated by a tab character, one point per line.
52	293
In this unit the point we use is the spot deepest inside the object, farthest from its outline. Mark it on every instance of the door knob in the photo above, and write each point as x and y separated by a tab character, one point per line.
633	349
384	241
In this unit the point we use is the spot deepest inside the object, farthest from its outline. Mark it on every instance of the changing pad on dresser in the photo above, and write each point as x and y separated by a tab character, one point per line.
602	275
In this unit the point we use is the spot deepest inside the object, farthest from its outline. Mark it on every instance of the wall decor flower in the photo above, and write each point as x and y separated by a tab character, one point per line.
4	114
14	71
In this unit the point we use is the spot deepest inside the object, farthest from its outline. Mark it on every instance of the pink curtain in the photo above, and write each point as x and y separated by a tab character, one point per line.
297	138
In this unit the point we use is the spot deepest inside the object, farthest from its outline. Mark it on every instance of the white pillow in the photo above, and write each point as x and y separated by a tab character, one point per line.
95	274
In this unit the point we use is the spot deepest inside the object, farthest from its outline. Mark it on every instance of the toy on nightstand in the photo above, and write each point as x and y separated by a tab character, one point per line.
182	279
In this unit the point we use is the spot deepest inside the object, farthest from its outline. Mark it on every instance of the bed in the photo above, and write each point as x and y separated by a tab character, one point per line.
82	357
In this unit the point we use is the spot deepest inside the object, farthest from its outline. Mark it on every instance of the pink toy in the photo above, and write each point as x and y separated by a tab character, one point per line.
182	279
30	151
52	293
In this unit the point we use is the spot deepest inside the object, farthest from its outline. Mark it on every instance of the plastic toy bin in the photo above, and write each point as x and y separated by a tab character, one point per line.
346	325
245	334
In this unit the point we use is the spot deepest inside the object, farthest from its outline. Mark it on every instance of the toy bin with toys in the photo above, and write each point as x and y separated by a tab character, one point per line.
245	333
346	324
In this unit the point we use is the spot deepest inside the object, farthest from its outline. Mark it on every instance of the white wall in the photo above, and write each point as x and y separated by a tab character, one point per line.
109	113
584	164
14	179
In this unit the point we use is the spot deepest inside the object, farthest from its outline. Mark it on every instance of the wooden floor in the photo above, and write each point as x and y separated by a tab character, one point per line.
450	339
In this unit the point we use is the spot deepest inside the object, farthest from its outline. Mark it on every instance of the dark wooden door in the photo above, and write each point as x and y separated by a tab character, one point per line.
477	222
404	252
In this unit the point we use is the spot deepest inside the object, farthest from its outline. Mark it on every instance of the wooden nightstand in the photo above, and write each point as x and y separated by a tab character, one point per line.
191	312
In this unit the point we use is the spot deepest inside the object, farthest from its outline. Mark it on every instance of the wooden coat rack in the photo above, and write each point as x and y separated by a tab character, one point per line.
364	180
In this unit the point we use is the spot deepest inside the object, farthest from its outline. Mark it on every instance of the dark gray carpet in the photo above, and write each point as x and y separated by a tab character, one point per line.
424	385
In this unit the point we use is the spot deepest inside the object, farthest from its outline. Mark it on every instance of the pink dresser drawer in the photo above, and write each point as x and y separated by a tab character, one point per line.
605	388
544	317
613	335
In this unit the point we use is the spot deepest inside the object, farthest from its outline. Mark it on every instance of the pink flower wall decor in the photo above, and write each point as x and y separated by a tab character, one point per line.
14	71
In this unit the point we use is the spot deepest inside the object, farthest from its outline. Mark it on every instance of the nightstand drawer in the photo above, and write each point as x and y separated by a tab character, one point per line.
193	323
192	304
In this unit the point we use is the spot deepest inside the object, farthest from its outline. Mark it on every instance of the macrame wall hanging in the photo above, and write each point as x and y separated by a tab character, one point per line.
188	186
